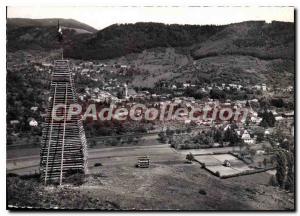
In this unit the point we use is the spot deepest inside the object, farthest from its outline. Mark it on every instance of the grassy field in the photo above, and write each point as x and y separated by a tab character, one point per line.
169	184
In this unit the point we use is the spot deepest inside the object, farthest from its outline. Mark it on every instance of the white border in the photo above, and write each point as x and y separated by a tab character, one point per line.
108	3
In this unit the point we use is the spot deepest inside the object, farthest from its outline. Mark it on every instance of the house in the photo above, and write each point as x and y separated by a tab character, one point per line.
255	119
14	122
292	129
278	118
96	90
288	114
215	145
186	85
246	138
187	121
260	152
267	132
290	88
85	71
227	127
33	123
257	87
34	109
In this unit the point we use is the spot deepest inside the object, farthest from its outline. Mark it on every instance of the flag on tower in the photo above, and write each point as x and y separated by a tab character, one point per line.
59	33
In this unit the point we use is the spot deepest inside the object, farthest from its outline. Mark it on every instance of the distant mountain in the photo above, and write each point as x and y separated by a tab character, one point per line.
253	38
118	40
13	23
41	34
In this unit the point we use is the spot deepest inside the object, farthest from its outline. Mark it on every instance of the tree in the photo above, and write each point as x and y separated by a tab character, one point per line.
277	102
268	119
273	181
290	173
162	137
280	168
247	104
169	132
217	94
260	136
231	136
265	162
189	130
190	157
218	136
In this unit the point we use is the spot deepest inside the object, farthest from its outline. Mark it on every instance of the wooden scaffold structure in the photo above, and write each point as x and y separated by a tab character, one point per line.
63	149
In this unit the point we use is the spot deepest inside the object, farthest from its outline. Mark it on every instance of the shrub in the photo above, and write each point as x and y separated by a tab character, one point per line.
12	175
273	181
203	165
97	164
75	178
202	192
190	157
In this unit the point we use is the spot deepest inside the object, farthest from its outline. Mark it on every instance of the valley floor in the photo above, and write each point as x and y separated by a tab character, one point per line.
169	184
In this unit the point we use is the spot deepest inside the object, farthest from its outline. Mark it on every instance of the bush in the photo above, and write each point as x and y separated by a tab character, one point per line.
12	175
202	192
97	164
74	177
273	181
190	157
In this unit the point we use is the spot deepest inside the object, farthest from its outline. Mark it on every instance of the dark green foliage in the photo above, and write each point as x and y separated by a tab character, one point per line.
23	91
117	40
273	181
190	157
162	137
217	94
281	163
75	178
260	136
231	136
97	164
263	41
194	92
31	193
277	102
202	192
218	136
290	182
13	23
268	119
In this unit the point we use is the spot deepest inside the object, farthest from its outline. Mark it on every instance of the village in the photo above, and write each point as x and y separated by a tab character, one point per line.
268	125
151	115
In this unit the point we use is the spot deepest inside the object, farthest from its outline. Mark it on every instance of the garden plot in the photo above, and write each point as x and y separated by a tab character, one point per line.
214	164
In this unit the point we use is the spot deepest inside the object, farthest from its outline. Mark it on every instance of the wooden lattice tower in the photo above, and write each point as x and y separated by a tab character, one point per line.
63	148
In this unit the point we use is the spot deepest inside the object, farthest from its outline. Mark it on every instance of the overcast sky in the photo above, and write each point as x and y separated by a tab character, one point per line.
101	17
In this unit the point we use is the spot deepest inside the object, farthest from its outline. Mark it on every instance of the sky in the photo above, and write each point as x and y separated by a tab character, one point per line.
100	17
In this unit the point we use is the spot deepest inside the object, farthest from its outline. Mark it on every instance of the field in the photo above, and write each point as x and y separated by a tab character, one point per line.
214	163
169	184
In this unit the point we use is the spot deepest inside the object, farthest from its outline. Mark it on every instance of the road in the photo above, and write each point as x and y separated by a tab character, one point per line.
108	156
